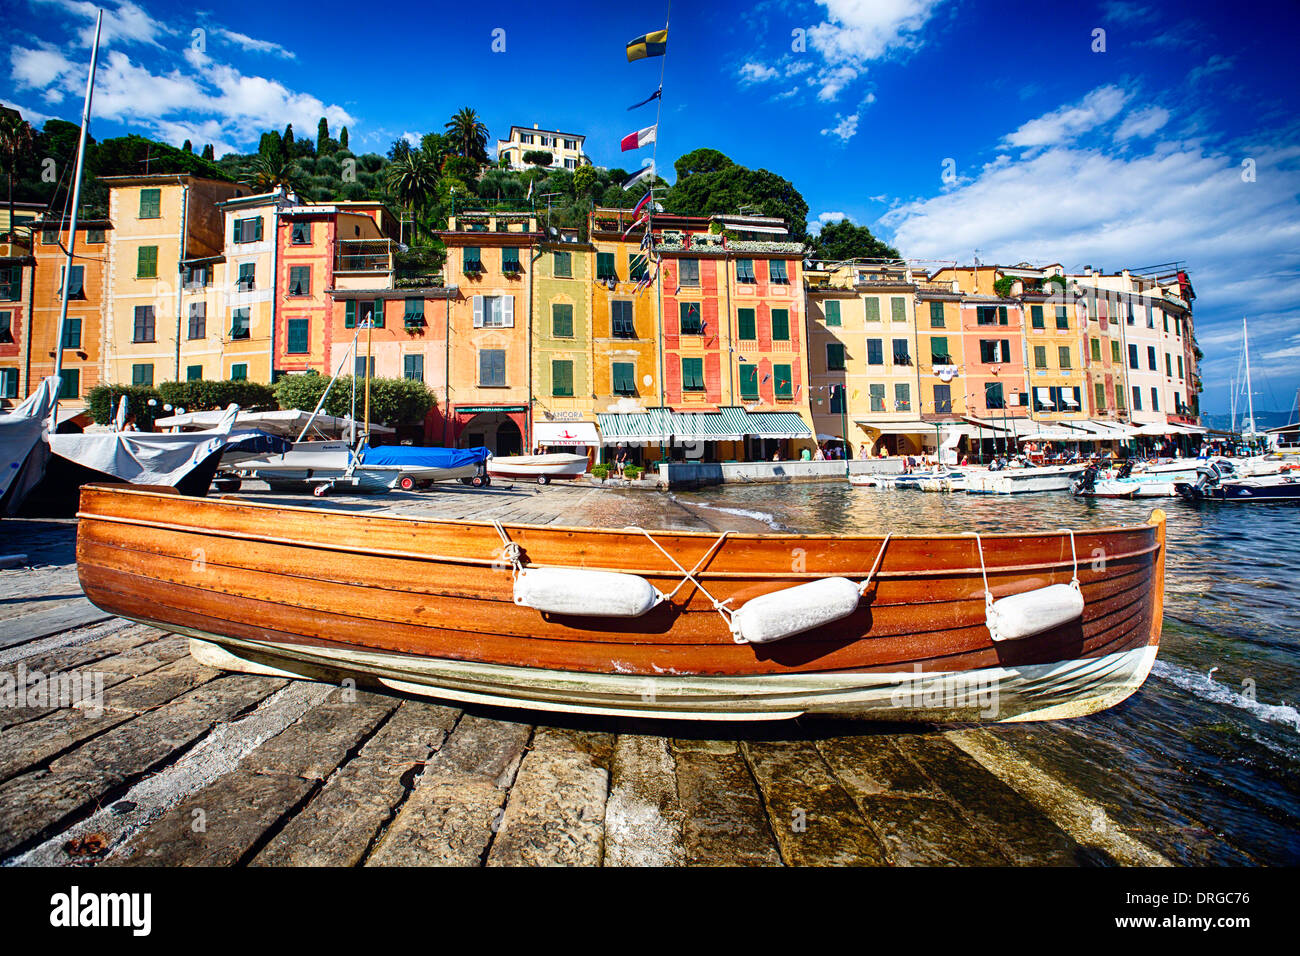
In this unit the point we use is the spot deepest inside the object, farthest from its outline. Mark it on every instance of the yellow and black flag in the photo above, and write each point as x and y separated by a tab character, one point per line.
652	44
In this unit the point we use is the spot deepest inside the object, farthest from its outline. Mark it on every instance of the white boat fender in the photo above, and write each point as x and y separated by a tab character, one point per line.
791	611
585	593
1033	612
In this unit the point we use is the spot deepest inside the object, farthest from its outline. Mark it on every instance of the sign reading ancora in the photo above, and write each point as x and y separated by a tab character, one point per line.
76	909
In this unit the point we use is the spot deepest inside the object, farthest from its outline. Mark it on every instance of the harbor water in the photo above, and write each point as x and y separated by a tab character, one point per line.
1213	737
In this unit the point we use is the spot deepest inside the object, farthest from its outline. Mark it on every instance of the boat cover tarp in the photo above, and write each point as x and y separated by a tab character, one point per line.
420	457
144	458
254	442
21	433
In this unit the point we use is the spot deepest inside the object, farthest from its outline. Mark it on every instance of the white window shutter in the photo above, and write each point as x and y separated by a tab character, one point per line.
508	317
478	312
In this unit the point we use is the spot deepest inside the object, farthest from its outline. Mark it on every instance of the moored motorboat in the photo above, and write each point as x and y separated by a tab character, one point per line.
325	465
539	468
1010	481
1214	485
633	622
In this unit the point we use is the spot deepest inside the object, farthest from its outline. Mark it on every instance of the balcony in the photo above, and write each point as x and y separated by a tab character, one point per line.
364	255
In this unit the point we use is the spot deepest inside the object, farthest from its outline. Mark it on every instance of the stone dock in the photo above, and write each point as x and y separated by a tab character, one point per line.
175	763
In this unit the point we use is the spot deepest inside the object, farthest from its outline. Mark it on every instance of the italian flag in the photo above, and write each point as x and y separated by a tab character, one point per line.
640	138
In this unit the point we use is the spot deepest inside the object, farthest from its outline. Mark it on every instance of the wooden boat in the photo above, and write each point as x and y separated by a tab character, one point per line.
540	468
442	608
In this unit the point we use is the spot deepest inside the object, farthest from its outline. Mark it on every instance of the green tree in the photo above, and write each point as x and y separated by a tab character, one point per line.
273	171
585	181
393	401
538	157
207	151
468	134
322	135
703	160
412	179
188	146
845	240
725	187
343	138
287	139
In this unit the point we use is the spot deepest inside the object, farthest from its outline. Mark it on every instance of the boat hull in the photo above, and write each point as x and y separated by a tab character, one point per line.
538	466
430	604
1014	481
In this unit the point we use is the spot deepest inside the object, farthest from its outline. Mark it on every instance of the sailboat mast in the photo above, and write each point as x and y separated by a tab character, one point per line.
1250	397
72	224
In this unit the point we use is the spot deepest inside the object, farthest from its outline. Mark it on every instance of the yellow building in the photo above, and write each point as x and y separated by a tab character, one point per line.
159	221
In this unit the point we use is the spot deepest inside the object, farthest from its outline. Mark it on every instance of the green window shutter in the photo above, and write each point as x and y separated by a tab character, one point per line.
562	378
562	265
350	314
239	372
562	321
834	356
413	367
1036	316
624	378
749	382
70	383
299	341
936	315
193	373
636	267
784	381
745	270
1062	317
693	374
72	334
1099	396
1096	350
1040	356
691	323
873	310
781	325
605	266
832	312
147	263
1063	351
239	230
902	397
897	309
748	324
1002	315
150	203
378	314
939	354
142	374
1114	351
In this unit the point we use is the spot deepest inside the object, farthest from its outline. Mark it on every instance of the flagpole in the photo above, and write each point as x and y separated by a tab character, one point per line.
654	153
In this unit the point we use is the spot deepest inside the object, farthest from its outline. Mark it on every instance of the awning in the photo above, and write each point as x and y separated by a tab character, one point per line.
728	424
778	425
901	427
565	433
651	426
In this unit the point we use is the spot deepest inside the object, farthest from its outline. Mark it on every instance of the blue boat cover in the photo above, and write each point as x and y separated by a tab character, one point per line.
423	457
254	442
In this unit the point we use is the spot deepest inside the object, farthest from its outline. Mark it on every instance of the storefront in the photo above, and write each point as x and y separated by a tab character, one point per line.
572	438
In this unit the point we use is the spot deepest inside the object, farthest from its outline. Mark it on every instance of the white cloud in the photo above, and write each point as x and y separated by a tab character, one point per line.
252	45
126	22
1062	125
1142	123
757	73
858	32
845	129
826	217
39	68
413	139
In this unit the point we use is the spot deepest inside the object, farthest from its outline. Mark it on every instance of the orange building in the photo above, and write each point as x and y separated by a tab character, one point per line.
16	276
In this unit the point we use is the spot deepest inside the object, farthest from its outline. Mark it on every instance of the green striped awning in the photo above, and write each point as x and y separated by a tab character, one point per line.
654	425
778	425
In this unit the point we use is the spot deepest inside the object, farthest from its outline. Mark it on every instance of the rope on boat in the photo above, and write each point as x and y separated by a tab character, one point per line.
509	550
1031	612
719	606
880	556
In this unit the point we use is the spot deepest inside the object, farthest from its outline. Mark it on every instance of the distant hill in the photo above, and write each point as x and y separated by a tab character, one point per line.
1263	420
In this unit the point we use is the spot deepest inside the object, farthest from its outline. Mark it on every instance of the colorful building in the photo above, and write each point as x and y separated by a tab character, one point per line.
17	278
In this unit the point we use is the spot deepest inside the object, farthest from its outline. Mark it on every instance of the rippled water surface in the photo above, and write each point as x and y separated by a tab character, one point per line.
1211	744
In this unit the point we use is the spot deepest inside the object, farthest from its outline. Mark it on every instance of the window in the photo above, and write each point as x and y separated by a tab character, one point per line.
692	375
776	270
247	270
239	372
49	237
146	263
8	383
299	341
745	271
11	283
361	367
605	268
873	309
784	381
70	383
142	374
837	399
689	315
897	309
562	378
6	327
993	395
636	267
939	354
492	368
193	373
248	230
198	321
1099	396
494	312
300	234
376	314
76	286
623	378
1130	322
1119	398
1062	318
1137	399
900	352
1155	399
510	260
413	314
144	324
991	315
943	398
300	280
1133	359
196	277
832	312
936	315
621	320
562	321
1114	351
1151	324
993	351
72	334
1151	359
1040	356
835	357
1036	316
781	325
413	367
902	397
1180	366
562	265
361	311
1063	355
239	324
748	324
749	382
1095	344
875	352
877	395
473	261
688	272
150	204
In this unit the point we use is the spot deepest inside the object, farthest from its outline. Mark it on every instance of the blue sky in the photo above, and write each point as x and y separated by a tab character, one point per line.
1056	151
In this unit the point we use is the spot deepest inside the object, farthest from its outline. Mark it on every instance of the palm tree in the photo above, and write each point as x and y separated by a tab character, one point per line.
15	141
271	172
413	179
469	134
